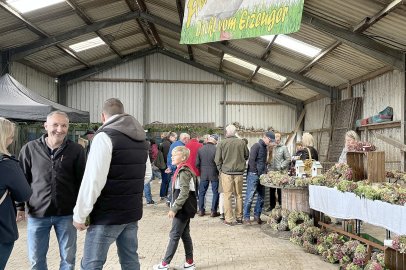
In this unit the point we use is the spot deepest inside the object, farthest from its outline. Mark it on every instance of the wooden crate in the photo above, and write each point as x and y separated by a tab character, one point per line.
356	162
376	166
394	260
369	165
296	199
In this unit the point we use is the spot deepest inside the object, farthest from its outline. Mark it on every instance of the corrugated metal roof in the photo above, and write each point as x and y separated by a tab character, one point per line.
58	26
298	91
164	9
391	29
17	38
121	30
103	9
53	59
345	12
339	66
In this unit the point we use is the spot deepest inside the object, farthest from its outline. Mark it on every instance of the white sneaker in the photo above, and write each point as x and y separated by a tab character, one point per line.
191	266
161	267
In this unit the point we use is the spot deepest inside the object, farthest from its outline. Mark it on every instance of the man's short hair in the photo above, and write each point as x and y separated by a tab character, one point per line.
184	135
59	113
113	106
231	130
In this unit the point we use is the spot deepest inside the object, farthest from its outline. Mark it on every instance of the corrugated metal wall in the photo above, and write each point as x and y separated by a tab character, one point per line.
377	93
89	96
178	102
278	117
35	80
380	92
318	117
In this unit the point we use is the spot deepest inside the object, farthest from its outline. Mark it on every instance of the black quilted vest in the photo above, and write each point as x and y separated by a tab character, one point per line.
120	201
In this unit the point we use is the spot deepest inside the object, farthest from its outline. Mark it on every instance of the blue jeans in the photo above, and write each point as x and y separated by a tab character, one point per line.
98	241
163	192
253	186
147	192
38	230
203	186
147	187
5	251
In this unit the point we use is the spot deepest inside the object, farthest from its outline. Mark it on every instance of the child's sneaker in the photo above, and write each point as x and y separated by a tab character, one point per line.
189	266
162	267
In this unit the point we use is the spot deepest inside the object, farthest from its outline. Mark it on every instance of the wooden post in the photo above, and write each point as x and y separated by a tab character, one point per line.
403	113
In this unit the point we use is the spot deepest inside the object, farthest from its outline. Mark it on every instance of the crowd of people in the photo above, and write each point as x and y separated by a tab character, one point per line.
57	184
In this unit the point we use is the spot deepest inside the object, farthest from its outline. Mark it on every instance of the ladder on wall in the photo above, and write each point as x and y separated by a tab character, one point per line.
345	113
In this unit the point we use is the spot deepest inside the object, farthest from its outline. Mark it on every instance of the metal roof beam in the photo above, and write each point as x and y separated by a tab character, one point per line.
307	82
180	12
264	57
78	75
79	11
283	99
131	6
369	21
40	33
358	41
25	50
141	5
307	68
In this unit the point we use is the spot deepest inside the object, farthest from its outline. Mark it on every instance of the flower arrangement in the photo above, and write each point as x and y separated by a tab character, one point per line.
296	218
297	234
319	180
278	219
348	250
353	266
399	243
377	262
346	186
360	255
310	239
337	173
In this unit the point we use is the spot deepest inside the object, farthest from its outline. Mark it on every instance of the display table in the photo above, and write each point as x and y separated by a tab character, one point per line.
347	205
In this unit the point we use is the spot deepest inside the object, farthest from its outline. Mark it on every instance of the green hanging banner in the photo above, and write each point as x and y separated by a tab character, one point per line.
214	20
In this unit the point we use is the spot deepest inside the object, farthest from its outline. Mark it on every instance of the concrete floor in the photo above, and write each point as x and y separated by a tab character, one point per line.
216	246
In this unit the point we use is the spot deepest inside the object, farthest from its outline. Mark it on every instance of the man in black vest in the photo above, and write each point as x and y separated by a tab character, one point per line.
111	192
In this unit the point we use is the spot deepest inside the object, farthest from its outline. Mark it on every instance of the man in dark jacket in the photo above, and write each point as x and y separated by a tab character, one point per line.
256	167
208	174
53	166
112	188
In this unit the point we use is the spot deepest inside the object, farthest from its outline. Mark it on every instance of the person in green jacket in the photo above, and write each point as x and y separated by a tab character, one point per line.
231	156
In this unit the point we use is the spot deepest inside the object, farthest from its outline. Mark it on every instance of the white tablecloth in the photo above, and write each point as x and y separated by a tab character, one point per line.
347	205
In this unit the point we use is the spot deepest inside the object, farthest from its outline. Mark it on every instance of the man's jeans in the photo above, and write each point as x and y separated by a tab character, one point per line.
38	230
163	192
5	251
203	186
253	186
98	241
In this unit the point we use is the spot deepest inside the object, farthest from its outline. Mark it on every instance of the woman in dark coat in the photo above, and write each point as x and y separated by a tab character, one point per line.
308	146
13	187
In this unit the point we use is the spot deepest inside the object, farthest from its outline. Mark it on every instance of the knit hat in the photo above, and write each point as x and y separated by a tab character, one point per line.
215	136
89	132
270	135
